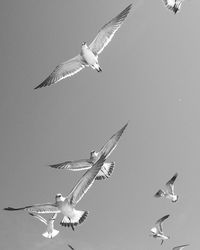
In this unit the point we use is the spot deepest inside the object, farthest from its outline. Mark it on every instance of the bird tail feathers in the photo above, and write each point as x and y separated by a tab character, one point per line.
50	235
106	171
78	218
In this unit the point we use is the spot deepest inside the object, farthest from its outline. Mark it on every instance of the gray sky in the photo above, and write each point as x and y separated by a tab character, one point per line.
150	77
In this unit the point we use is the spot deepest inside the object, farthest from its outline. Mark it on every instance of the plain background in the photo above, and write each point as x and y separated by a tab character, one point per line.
150	78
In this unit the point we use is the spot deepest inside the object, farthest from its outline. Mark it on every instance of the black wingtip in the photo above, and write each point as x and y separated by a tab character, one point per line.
10	209
172	180
165	217
121	131
83	217
70	247
39	86
127	9
158	194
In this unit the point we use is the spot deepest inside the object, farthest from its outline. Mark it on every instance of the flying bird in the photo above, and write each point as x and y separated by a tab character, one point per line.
66	205
50	232
89	54
173	5
169	193
157	231
180	247
83	164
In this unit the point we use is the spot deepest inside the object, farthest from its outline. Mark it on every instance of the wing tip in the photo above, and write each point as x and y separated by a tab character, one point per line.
38	86
172	180
59	165
10	209
158	194
165	217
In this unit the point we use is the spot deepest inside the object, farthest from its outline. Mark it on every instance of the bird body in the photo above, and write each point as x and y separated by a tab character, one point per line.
50	231
169	193
89	57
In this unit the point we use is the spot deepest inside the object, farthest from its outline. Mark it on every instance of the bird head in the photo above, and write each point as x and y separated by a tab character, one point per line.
93	154
59	197
84	44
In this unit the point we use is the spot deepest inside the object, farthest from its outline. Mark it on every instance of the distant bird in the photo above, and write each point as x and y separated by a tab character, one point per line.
173	5
70	247
66	205
51	232
180	247
89	54
107	149
157	231
169	194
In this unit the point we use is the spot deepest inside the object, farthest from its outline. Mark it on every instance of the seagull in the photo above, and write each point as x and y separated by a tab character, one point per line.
180	247
173	5
70	247
66	205
89	54
83	164
169	194
51	232
157	231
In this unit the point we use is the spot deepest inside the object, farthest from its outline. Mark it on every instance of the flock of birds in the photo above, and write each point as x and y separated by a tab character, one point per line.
97	169
96	166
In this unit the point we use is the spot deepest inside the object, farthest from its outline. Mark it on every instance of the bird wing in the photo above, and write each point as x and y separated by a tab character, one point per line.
111	144
170	183
85	182
180	247
169	4
39	218
73	165
64	70
37	208
107	32
44	209
70	247
160	221
159	193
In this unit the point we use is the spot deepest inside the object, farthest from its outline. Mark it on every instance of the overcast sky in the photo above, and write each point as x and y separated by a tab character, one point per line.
150	78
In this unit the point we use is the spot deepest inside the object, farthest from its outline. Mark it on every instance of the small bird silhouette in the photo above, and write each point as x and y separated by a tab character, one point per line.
169	193
157	231
50	232
180	247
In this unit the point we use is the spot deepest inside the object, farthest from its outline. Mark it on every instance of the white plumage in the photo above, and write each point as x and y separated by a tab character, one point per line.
157	231
66	205
84	164
50	231
89	54
173	5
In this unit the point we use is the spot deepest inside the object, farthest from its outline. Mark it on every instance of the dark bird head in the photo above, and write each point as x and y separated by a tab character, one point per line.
84	43
59	197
